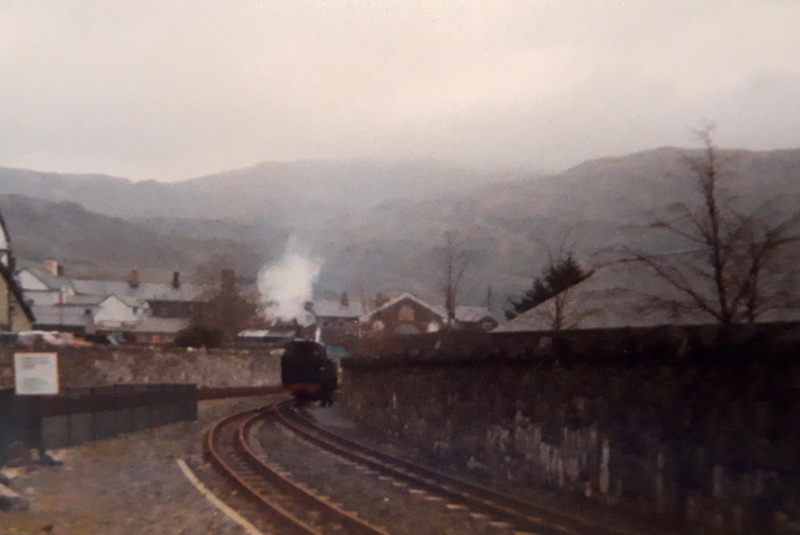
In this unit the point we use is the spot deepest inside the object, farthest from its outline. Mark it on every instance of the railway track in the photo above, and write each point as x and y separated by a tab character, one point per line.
298	510
525	516
292	506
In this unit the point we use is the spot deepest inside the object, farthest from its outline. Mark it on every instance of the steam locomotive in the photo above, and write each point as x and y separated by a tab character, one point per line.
307	373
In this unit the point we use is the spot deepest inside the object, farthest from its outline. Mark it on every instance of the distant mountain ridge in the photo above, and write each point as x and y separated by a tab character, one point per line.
288	192
378	225
88	243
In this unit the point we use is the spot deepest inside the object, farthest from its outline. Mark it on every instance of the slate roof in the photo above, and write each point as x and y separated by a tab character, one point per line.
90	300
466	314
156	291
129	300
64	315
53	282
160	325
335	309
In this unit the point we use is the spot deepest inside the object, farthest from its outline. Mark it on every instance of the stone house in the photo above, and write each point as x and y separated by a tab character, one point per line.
405	314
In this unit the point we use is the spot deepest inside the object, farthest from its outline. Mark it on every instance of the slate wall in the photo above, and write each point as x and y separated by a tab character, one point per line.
674	423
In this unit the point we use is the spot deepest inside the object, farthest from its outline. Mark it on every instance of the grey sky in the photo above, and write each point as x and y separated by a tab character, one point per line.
173	89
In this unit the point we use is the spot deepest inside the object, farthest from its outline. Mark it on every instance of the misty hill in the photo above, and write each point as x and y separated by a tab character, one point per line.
378	226
277	193
507	227
93	244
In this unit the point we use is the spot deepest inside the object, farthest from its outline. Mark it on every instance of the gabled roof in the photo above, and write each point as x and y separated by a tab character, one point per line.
127	300
398	299
52	282
335	309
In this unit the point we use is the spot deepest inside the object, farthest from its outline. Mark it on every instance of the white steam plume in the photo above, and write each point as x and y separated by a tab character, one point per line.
287	285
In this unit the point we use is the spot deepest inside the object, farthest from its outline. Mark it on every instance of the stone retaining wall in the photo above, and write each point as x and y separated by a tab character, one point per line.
675	430
103	365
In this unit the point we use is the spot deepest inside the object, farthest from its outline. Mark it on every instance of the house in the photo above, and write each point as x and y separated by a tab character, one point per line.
336	319
405	314
156	331
471	318
74	314
15	313
45	285
165	300
120	313
88	306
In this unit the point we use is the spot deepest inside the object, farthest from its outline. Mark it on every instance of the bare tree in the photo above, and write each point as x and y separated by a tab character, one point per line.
455	264
730	266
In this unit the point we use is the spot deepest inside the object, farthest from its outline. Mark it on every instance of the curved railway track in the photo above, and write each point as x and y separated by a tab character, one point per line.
524	515
291	505
228	445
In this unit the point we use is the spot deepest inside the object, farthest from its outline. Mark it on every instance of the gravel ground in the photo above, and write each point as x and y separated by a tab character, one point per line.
128	485
398	508
332	419
133	485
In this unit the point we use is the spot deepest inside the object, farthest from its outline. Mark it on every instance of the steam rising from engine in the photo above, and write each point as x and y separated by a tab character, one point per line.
287	285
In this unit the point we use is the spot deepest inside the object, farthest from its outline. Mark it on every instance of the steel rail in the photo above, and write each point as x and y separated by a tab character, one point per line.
228	447
524	514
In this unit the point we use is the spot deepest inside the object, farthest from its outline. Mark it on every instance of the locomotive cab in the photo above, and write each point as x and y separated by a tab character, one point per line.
307	373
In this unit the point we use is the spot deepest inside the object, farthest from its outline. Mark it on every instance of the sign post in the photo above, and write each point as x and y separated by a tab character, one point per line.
36	374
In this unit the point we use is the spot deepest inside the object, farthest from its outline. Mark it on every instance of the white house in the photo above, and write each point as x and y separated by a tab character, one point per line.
120	312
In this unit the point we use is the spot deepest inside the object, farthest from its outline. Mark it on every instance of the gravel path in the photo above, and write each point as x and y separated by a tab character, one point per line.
128	485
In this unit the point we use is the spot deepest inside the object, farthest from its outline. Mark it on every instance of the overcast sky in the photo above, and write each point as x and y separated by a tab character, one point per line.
173	89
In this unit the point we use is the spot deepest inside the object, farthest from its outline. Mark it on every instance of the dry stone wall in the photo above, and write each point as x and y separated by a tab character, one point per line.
705	438
103	366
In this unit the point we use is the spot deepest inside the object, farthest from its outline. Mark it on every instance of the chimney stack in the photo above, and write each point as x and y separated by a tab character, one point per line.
176	279
133	278
344	300
52	267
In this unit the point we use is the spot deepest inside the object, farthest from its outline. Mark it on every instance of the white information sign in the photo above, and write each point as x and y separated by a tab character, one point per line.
36	373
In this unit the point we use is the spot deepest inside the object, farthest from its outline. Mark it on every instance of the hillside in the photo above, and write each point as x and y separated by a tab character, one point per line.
92	244
507	228
278	193
378	226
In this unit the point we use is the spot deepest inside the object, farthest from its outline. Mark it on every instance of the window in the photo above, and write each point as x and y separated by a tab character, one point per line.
406	313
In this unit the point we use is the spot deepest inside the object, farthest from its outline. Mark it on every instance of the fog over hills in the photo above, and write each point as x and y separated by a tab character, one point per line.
285	193
378	226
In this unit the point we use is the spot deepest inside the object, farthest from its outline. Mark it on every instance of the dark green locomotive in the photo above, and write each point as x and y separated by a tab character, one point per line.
307	373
